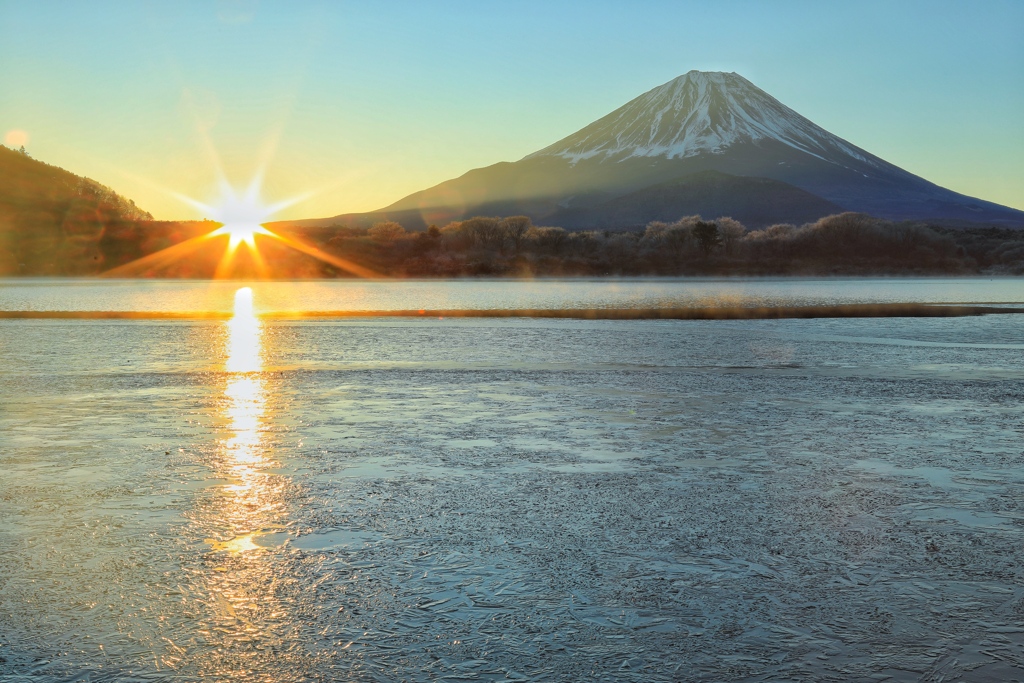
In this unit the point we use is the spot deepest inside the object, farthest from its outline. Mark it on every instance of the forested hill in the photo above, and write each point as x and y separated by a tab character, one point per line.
52	221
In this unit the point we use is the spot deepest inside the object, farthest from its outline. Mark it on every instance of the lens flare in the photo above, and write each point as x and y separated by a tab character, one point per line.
16	138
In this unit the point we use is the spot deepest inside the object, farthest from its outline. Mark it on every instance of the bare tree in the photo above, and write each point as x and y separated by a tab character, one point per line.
455	238
485	231
549	238
386	232
655	231
515	228
677	237
706	234
779	231
687	221
731	231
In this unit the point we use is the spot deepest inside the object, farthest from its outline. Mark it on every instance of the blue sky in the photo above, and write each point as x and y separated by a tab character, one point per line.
359	104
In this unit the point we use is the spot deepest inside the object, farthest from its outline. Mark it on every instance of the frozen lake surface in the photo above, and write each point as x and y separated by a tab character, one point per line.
510	499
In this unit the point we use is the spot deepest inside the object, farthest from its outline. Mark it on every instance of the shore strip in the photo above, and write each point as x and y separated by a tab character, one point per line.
703	313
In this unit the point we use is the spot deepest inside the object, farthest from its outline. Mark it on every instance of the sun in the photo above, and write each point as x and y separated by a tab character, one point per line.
242	217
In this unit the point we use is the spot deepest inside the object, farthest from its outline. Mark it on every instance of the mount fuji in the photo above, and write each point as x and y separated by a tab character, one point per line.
706	142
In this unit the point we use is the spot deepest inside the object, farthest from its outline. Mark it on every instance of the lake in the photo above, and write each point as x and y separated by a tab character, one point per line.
383	499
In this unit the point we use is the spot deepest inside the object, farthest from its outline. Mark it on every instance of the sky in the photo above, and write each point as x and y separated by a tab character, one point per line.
350	106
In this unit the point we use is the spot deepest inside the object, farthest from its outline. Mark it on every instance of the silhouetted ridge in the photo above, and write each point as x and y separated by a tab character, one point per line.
52	221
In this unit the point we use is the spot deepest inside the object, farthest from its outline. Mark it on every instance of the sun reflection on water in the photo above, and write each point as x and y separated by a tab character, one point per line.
251	502
244	335
246	401
241	581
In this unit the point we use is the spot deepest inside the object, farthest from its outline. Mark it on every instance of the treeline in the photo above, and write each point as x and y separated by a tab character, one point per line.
847	243
843	244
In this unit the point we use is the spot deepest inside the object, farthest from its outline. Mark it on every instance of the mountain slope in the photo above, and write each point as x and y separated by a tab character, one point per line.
752	201
695	123
52	221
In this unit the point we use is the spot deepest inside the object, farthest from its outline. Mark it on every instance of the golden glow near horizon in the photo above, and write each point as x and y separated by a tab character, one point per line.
241	217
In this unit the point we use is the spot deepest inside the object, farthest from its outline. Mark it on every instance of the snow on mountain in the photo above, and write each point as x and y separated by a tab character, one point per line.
699	113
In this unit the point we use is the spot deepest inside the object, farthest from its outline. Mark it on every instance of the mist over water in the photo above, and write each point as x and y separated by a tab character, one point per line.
382	499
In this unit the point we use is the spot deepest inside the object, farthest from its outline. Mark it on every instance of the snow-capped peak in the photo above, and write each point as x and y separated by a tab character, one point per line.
700	112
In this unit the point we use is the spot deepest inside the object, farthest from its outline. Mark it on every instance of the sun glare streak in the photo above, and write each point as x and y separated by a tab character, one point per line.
336	261
261	265
158	259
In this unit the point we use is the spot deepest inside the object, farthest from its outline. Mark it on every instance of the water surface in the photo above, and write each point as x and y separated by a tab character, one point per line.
511	499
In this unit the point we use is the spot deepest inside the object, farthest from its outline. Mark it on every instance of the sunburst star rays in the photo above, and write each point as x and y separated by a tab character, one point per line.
241	215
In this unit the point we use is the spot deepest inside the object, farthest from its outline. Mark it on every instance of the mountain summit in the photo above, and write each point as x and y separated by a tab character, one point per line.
705	142
698	113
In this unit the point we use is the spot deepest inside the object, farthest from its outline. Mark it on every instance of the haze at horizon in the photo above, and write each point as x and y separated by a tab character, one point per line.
365	105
